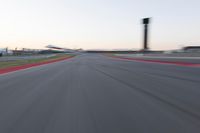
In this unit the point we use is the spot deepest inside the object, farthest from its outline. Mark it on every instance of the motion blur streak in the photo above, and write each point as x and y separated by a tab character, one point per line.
92	93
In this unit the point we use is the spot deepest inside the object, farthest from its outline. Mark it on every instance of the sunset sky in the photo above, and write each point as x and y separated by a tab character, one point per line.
98	24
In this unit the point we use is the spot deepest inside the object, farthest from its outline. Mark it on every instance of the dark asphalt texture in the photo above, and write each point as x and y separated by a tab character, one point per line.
92	93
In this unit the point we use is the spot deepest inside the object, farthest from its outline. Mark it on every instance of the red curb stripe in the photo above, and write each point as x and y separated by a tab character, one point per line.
160	62
16	68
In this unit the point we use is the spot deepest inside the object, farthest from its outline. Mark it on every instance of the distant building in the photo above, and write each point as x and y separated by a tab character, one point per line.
56	48
192	48
5	51
25	52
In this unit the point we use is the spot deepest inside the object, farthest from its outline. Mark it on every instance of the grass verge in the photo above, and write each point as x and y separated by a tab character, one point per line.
8	64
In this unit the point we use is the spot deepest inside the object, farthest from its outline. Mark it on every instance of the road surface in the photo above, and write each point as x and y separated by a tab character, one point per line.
93	93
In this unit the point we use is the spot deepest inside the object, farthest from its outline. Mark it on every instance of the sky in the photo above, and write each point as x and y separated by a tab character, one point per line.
99	24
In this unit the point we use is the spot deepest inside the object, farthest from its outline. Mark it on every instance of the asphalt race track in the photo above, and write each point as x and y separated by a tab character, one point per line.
92	93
